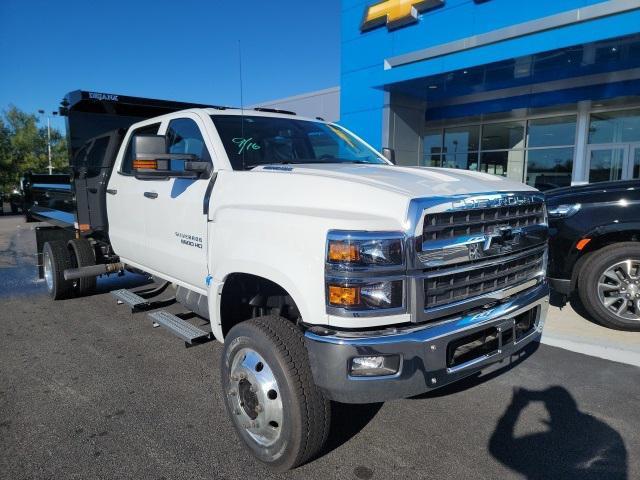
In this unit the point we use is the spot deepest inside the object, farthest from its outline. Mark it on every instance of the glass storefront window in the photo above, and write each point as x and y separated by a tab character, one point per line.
461	139
465	161
615	127
605	164
549	168
500	136
552	131
509	163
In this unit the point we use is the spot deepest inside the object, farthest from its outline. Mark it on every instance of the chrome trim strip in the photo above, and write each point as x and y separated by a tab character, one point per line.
578	15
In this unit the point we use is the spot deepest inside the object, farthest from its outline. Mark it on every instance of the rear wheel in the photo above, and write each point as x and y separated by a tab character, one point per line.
276	408
82	255
609	286
55	260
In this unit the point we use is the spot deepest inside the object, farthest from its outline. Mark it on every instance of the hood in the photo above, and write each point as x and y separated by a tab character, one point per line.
411	182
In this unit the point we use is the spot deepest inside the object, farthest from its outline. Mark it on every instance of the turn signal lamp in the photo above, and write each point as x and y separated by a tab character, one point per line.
145	164
343	252
344	296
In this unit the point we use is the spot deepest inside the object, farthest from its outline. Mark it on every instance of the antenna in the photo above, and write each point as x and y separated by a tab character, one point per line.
241	98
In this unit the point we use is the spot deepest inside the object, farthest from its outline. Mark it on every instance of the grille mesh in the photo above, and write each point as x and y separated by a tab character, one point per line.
447	225
448	288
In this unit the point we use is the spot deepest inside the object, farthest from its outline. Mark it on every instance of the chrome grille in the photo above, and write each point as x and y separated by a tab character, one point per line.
447	225
445	286
478	249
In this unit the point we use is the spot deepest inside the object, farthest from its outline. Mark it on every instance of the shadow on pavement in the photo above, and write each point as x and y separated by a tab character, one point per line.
347	421
576	445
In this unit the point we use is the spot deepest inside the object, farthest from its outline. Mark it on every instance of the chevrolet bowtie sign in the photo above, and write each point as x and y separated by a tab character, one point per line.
396	13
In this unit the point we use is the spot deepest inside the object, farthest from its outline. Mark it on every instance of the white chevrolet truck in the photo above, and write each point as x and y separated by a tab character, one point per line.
328	272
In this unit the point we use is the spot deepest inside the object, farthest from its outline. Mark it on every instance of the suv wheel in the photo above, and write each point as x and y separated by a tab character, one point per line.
609	286
279	413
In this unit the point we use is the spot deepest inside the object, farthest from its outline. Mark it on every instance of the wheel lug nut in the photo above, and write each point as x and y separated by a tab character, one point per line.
243	376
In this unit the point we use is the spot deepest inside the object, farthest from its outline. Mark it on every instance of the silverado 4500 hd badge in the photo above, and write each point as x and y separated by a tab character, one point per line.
189	240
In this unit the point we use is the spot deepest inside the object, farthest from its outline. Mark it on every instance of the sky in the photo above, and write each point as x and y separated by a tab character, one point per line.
180	50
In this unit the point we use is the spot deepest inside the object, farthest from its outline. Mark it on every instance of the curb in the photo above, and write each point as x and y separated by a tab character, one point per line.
607	352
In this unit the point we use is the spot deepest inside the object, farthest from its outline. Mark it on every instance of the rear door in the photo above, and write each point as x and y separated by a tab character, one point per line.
175	214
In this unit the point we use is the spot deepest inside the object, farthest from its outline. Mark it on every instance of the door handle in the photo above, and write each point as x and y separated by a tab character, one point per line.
151	194
111	191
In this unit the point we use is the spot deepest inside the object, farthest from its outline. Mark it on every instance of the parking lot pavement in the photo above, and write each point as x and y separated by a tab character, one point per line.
89	390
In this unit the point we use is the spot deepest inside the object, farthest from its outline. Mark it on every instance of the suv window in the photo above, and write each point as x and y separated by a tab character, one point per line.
127	161
184	136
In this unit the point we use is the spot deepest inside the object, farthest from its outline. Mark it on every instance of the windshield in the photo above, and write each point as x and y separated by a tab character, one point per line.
251	141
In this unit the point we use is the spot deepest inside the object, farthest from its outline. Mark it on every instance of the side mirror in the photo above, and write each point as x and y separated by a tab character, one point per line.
389	154
151	160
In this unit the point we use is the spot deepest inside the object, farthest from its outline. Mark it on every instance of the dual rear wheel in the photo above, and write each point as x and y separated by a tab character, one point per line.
58	256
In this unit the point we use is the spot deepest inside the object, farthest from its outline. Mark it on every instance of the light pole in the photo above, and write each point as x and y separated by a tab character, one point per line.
41	112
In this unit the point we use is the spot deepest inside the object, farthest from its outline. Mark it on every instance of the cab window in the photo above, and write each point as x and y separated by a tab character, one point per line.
184	136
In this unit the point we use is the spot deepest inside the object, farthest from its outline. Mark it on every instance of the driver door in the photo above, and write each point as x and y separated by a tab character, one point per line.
175	217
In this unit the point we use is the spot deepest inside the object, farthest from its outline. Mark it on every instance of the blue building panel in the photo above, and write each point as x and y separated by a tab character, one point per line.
365	78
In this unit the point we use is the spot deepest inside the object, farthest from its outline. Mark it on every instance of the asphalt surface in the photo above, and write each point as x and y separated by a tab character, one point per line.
89	390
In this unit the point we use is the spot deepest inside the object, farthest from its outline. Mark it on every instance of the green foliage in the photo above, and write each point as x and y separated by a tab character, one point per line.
23	147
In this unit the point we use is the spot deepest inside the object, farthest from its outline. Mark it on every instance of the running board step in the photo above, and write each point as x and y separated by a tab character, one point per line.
179	327
136	302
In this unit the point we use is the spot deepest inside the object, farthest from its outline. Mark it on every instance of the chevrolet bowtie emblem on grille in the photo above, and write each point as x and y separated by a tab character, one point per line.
396	13
500	239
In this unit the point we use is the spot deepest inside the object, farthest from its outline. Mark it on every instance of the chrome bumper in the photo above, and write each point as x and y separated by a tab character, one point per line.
422	350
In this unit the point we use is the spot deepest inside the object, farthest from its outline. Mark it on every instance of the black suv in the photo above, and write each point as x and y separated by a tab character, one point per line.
595	249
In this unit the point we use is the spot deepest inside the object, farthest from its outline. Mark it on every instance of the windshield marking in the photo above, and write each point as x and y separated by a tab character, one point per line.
245	144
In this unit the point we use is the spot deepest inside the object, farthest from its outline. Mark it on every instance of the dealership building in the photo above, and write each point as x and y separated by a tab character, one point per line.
545	91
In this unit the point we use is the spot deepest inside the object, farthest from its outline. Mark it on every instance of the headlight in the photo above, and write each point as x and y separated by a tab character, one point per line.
365	249
375	295
564	211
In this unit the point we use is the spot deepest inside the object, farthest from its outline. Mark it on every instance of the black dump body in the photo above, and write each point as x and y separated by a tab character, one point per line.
96	125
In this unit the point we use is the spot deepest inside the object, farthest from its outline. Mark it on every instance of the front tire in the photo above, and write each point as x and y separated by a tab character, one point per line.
609	286
277	410
55	260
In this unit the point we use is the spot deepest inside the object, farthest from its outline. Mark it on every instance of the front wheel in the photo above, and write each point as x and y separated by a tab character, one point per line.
276	408
609	286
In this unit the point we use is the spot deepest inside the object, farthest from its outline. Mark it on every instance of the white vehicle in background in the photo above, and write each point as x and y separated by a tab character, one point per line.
328	272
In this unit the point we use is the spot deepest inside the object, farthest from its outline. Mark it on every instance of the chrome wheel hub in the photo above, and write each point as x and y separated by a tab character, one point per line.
48	270
255	397
619	289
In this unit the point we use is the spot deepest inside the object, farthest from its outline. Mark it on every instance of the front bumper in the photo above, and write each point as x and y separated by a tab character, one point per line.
423	351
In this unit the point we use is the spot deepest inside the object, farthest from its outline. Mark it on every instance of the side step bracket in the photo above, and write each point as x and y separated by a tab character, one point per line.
189	333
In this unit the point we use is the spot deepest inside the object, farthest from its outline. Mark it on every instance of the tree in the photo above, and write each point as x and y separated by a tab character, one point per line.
23	147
